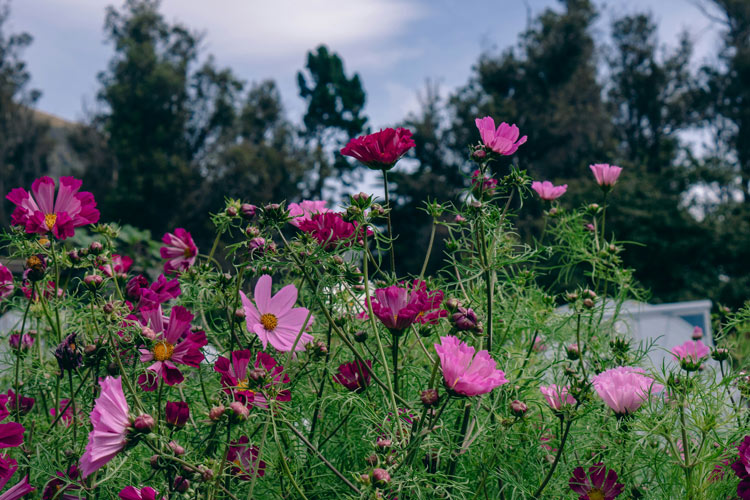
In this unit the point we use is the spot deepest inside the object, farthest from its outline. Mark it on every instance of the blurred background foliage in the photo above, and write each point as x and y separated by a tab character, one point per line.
174	135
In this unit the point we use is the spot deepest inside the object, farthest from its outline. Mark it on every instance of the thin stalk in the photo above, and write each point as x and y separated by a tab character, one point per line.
488	280
688	467
388	219
538	492
459	444
580	348
75	410
284	463
17	382
394	355
429	249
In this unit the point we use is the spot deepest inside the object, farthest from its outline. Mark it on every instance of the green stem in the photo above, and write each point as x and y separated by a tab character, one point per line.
538	492
394	355
462	438
429	249
388	219
17	383
75	410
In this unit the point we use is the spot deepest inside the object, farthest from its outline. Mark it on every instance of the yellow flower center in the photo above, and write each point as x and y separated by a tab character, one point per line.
269	321
163	351
596	494
49	221
44	241
243	385
188	253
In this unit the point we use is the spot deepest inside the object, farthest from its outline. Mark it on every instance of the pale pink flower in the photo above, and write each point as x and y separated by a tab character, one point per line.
548	191
624	389
692	350
110	419
466	371
180	251
557	396
503	140
304	211
605	174
275	319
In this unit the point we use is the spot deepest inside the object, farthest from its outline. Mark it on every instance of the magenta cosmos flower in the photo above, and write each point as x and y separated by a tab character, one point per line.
741	468
19	490
466	371
605	174
118	264
691	354
110	419
381	150
503	140
557	396
40	212
355	376
236	380
244	459
398	307
304	210
133	493
624	389
11	433
180	251
548	191
177	413
174	342
598	484
6	282
274	319
330	230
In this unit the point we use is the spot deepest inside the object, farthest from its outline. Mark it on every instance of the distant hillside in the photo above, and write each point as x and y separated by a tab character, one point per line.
62	160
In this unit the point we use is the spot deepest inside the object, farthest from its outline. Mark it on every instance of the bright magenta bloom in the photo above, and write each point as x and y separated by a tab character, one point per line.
330	230
180	251
133	493
18	490
605	174
174	342
110	419
557	396
118	264
598	484
304	210
692	351
274	319
548	191
398	307
42	212
466	371
177	413
503	140
8	467
235	379
244	460
6	282
624	388
355	376
381	150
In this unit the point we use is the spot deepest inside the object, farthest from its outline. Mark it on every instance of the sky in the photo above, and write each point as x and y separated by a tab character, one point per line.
394	45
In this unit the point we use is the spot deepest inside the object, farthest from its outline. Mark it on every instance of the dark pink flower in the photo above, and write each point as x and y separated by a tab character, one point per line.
355	376
275	319
133	493
557	397
177	414
8	467
18	490
548	191
741	466
691	354
49	292
244	460
23	342
25	404
174	342
624	389
605	174
381	150
110	419
398	307
598	484
466	371
304	210
330	230
11	434
503	140
160	291
117	264
67	417
180	251
42	212
264	375
6	282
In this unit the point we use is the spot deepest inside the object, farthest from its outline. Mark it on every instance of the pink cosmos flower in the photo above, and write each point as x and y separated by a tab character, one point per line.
48	291
503	140
42	212
236	382
466	371
355	376
11	433
159	292
548	191
8	467
304	210
176	414
605	174
624	389
180	251
598	484
274	319
67	416
330	230
18	490
398	307
6	282
174	342
118	264
133	493
692	351
244	459
557	396
381	150
110	419
23	342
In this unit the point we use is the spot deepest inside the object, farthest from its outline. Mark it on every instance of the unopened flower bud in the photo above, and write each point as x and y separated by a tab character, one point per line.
720	354
319	348
247	210
479	154
377	209
380	477
383	443
697	333
74	257
429	397
96	248
518	408
216	412
372	460
144	423
148	332
93	281
588	303
459	219
232	211
207	474
360	336
108	308
154	462
176	448
573	352
239	410
257	374
452	304
239	314
552	212
465	319
181	484
589	227
337	259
